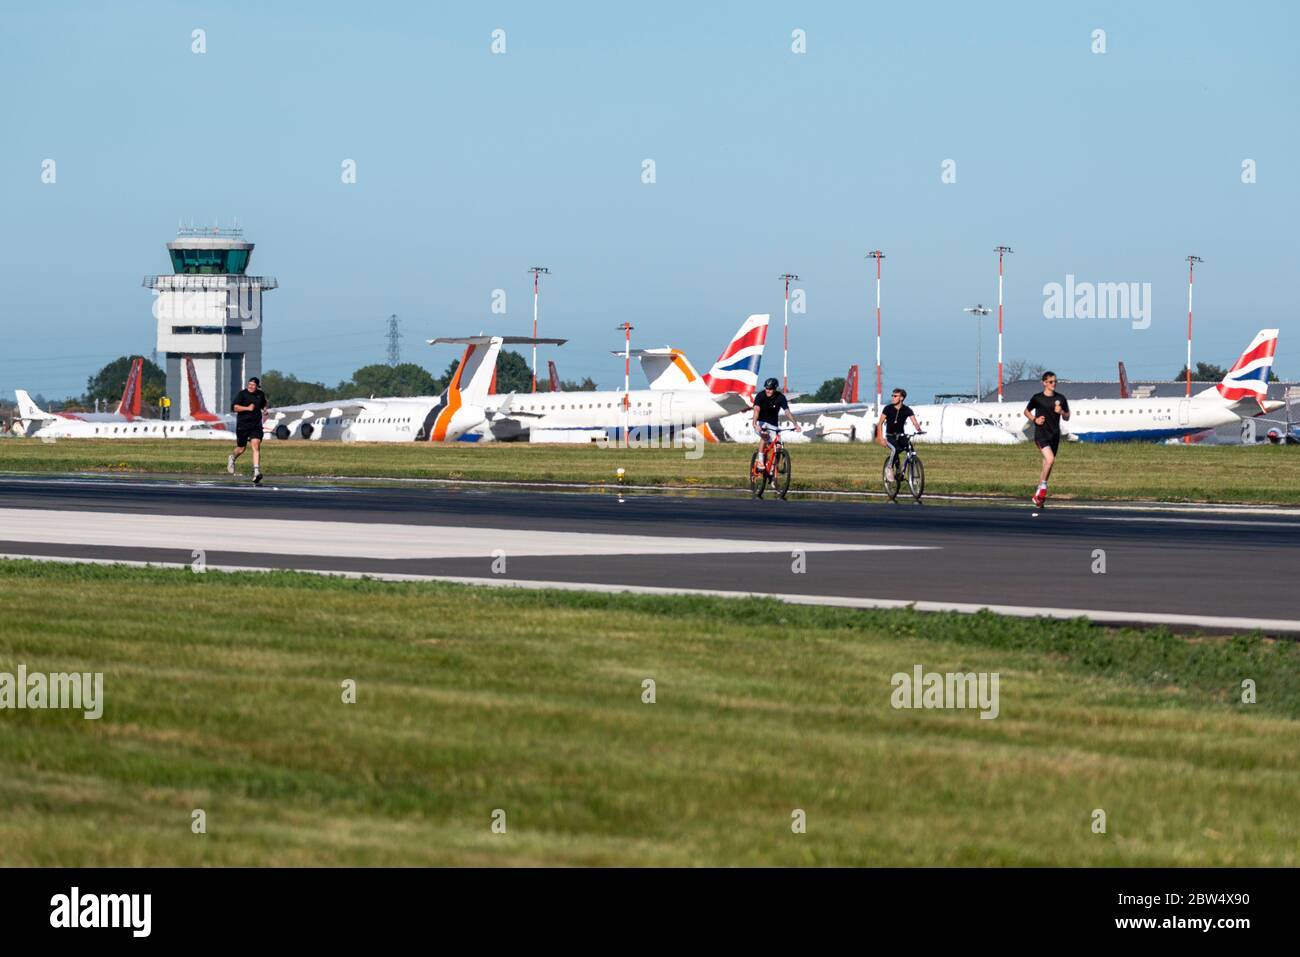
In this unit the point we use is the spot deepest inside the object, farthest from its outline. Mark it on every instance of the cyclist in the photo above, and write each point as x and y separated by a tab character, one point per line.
890	429
768	406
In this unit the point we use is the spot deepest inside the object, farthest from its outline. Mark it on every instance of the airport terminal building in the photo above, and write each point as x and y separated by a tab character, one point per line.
210	309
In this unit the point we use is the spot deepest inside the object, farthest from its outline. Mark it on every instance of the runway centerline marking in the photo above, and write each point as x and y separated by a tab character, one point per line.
368	539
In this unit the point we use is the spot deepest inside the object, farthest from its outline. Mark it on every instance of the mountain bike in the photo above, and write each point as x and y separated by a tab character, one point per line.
908	468
771	469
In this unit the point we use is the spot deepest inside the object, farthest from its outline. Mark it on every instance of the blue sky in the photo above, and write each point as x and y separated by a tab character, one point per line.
472	167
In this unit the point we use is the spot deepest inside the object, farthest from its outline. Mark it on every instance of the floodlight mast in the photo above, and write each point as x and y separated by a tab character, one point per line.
1191	269
1001	251
785	349
979	311
537	273
877	255
627	328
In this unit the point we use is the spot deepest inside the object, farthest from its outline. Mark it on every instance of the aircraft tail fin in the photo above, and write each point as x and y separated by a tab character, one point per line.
1247	380
554	375
198	408
475	376
850	393
29	411
666	368
130	404
1123	382
737	368
477	370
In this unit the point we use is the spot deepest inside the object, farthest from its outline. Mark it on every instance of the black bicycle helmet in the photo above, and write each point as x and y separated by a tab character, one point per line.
770	384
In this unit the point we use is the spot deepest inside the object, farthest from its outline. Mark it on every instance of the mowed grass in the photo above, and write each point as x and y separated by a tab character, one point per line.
224	693
1263	474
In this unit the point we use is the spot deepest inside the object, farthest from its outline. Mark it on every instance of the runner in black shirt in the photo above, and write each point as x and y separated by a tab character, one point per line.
768	406
1046	409
890	428
248	406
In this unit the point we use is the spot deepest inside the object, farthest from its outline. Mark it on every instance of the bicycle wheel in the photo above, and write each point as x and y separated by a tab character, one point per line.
781	473
891	487
757	475
916	477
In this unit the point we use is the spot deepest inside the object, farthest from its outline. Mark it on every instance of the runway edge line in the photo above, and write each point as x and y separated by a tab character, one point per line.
1214	623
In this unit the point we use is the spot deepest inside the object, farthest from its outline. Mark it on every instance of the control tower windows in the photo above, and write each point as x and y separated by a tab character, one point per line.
210	261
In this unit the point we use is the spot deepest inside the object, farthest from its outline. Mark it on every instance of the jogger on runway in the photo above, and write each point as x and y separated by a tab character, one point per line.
1046	409
248	406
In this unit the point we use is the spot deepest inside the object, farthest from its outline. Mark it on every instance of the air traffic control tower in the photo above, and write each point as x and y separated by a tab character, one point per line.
211	310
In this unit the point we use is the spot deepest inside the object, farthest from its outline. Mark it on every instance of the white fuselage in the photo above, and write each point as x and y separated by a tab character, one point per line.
135	429
1123	420
941	423
590	416
1091	420
550	416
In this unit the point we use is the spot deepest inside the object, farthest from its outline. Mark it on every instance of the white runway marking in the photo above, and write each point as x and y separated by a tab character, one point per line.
1099	616
363	539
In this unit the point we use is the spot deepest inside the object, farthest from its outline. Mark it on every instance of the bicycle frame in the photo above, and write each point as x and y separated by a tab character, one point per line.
906	469
773	443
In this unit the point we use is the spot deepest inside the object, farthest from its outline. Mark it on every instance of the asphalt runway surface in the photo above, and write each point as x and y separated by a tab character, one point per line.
1218	568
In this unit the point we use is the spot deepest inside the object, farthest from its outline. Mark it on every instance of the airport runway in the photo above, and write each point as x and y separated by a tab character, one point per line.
1219	568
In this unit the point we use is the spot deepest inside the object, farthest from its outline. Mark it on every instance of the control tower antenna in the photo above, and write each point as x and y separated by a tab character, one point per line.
394	343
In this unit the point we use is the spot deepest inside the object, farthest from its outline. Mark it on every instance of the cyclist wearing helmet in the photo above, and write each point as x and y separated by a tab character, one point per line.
768	406
890	428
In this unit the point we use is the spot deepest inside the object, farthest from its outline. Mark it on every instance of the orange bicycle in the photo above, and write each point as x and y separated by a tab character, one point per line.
772	468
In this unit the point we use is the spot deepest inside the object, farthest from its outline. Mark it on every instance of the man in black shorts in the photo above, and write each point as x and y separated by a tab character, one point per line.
1046	409
768	406
890	428
248	406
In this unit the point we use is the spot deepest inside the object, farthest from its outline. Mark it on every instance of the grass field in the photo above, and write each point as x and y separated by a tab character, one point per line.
224	693
1263	474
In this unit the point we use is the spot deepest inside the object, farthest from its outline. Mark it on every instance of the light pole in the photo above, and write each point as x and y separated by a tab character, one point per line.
627	371
877	255
1001	251
979	311
785	351
538	272
1191	267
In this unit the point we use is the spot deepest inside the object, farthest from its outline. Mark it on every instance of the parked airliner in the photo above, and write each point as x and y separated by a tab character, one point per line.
201	424
1240	394
468	411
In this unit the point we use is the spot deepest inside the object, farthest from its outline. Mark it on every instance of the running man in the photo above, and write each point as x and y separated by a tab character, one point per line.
1046	409
768	406
890	429
248	406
